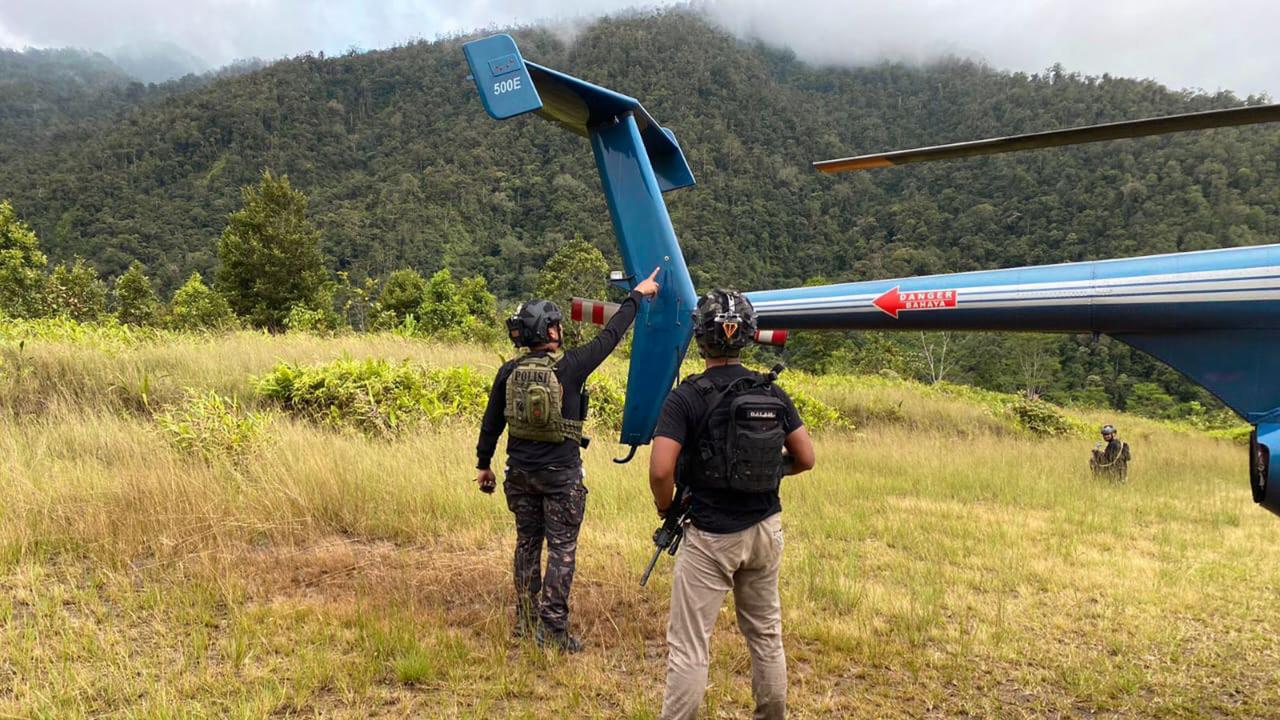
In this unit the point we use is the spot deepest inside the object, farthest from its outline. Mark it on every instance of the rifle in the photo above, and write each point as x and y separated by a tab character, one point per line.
668	536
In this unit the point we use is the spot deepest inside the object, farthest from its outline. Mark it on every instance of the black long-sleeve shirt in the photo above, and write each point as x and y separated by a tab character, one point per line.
572	372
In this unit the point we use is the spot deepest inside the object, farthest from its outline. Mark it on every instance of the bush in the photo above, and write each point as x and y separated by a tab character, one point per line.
21	266
196	306
375	397
443	310
402	294
817	415
316	318
214	427
75	291
607	399
135	298
1040	418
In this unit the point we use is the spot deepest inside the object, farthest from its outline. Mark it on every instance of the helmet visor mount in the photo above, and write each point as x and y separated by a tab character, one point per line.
724	323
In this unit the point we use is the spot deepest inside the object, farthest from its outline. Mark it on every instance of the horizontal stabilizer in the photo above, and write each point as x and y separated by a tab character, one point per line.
511	86
598	312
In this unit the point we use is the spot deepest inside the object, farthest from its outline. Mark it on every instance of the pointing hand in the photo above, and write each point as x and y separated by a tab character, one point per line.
649	287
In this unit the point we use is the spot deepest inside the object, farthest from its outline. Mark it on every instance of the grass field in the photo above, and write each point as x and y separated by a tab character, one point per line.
939	563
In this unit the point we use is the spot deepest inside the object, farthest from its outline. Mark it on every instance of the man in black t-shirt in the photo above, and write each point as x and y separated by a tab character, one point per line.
543	483
734	541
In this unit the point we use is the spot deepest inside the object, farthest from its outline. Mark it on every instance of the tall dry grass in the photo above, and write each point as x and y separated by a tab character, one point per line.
937	564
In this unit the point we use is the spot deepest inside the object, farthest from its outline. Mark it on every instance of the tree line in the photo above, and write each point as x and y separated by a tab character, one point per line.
403	171
272	276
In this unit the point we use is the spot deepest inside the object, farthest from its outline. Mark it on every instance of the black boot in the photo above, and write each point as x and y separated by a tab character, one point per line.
557	639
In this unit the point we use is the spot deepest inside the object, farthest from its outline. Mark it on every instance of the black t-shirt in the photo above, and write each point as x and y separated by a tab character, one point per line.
572	371
720	511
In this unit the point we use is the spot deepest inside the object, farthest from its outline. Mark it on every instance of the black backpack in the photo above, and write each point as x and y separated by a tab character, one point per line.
739	441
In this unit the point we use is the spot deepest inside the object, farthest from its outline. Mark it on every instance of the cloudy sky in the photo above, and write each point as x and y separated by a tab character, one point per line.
1183	43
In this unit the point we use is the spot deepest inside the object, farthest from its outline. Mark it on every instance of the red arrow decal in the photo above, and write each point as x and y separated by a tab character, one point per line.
892	301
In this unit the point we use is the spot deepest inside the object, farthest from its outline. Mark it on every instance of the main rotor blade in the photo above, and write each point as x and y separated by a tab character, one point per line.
1055	138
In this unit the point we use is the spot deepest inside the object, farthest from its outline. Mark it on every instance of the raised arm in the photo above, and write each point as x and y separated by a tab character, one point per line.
587	358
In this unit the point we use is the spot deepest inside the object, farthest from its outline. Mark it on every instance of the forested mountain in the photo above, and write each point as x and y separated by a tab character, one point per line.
404	169
45	89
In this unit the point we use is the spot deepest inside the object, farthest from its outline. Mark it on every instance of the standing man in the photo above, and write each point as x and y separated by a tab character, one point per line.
728	435
1111	456
538	397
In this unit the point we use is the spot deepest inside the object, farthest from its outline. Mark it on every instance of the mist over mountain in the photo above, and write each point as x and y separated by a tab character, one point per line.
158	62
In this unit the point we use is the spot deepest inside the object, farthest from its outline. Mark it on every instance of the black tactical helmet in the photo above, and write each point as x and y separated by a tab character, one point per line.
1108	429
723	323
532	321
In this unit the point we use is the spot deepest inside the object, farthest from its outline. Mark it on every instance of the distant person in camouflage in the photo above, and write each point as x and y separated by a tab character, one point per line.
1110	458
539	399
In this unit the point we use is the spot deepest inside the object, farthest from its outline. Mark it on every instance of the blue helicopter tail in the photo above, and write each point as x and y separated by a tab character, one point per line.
638	160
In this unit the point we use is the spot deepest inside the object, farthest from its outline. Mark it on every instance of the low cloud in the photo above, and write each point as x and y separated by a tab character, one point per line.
1182	43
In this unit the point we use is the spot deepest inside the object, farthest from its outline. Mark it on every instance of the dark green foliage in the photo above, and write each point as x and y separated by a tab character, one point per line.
404	170
21	266
1150	400
402	293
75	291
270	255
443	310
376	397
577	269
196	306
481	305
135	300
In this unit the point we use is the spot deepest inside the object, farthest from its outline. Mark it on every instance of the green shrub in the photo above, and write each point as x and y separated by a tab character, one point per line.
75	291
196	306
22	281
402	294
135	299
314	318
108	334
214	428
817	415
607	398
375	397
1040	418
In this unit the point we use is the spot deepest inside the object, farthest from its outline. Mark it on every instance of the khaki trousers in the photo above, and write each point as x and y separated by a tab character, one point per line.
708	566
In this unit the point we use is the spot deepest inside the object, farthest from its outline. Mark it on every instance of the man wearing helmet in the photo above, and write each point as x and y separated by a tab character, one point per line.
727	436
538	398
1111	456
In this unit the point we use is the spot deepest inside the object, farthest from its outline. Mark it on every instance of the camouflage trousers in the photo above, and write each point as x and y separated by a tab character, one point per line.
548	505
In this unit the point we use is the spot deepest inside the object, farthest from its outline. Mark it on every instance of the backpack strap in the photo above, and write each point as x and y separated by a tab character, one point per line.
714	395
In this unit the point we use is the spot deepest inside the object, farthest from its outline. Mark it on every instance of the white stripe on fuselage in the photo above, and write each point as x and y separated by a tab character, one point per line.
1072	290
1245	295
